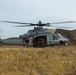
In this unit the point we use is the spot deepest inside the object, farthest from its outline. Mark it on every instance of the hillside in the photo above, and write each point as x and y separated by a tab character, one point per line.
71	34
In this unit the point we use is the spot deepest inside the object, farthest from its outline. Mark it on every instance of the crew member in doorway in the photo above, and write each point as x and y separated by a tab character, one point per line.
41	42
23	42
27	41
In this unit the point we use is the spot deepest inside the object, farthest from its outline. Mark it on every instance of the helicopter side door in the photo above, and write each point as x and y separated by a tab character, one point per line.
52	40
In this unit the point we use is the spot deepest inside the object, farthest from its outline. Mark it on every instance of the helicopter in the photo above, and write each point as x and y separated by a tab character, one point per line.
39	37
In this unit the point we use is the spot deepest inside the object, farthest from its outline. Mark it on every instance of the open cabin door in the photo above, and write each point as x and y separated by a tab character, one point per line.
40	41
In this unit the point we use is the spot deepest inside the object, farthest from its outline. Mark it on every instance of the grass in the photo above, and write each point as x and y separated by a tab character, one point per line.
18	60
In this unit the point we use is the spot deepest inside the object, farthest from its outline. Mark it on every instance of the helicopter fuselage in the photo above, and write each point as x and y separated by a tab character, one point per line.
39	36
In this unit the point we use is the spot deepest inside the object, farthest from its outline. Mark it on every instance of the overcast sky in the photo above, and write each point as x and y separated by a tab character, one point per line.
33	11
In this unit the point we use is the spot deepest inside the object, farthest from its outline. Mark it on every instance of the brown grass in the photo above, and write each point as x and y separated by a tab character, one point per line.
58	60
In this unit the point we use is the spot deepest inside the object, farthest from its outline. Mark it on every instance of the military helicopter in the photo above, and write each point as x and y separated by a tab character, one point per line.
39	37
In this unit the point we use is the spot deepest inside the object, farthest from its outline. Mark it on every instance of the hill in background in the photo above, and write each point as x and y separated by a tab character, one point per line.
71	34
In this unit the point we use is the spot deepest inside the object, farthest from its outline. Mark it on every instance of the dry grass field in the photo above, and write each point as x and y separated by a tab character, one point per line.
57	60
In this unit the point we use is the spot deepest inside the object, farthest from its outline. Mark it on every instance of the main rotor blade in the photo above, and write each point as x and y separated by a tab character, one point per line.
39	24
63	22
59	26
25	25
15	22
22	26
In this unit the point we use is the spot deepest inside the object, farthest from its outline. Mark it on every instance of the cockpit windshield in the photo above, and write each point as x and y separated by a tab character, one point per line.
59	35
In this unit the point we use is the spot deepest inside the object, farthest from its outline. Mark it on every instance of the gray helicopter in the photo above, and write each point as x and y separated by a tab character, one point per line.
40	37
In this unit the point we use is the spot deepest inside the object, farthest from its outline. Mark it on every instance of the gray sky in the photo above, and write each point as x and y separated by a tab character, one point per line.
33	11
